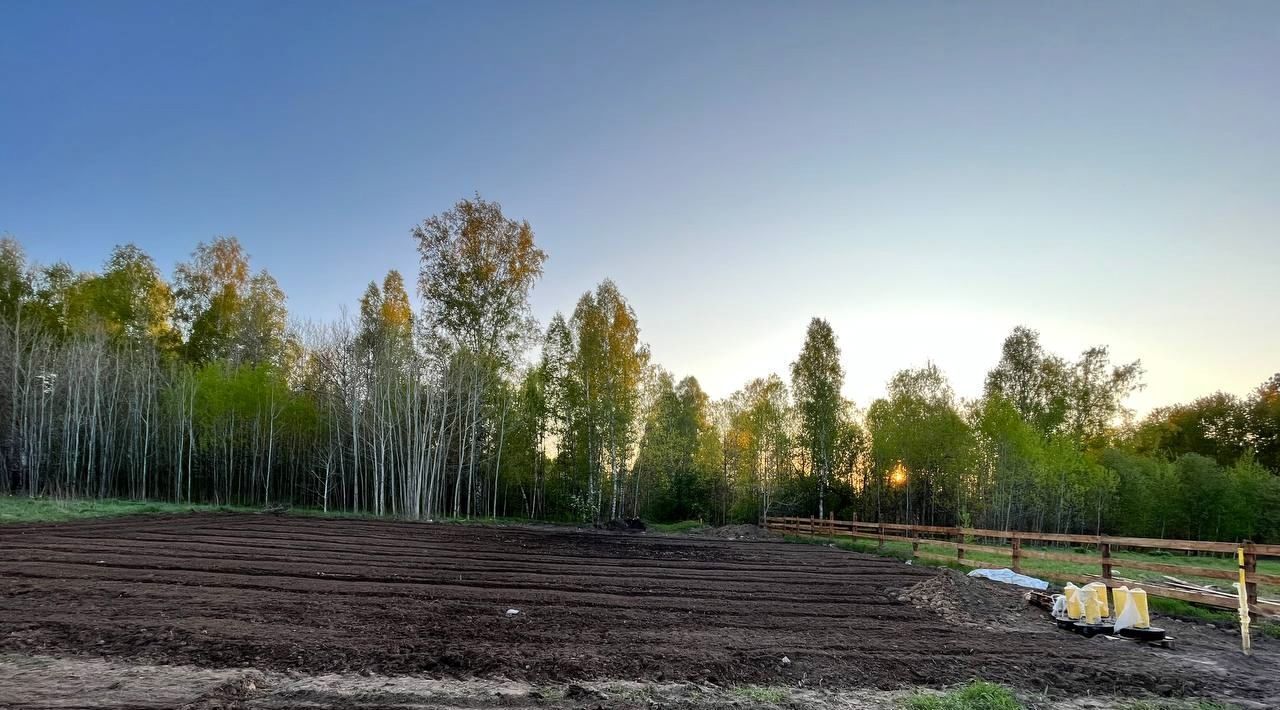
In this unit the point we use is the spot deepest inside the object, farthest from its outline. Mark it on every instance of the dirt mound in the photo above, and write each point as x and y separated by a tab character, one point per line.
966	601
739	532
623	524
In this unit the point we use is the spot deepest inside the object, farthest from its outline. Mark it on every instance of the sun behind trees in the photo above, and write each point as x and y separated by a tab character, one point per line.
125	384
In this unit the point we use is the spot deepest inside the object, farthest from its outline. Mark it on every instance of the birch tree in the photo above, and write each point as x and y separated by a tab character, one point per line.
816	379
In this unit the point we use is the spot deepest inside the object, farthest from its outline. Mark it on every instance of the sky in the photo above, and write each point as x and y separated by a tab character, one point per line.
925	176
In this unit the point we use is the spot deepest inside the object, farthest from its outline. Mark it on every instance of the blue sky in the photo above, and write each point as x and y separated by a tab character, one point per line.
924	175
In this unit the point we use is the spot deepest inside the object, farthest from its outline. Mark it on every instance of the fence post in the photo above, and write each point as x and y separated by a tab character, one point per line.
959	537
1017	553
1104	548
811	528
915	542
831	526
1250	569
880	537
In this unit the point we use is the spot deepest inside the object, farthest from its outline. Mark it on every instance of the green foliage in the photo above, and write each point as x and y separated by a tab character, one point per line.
121	383
1264	420
918	434
1192	497
1080	400
816	378
229	313
756	448
1214	426
679	454
478	267
599	363
977	695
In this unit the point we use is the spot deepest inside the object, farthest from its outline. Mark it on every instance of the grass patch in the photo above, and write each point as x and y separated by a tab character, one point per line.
1186	610
978	695
19	509
680	527
761	694
854	545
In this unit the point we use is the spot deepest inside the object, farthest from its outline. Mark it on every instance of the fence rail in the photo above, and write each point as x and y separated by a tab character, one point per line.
963	539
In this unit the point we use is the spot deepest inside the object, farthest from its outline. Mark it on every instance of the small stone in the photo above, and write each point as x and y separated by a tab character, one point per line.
786	661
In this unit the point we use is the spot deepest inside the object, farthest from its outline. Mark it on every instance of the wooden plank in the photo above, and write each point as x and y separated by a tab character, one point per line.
1249	552
1050	537
966	562
1188	545
866	536
802	524
1226	602
981	532
985	548
1082	559
1273	579
879	537
1161	567
937	529
1171	581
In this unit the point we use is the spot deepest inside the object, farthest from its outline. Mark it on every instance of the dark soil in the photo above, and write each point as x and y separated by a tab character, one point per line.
323	595
739	532
964	601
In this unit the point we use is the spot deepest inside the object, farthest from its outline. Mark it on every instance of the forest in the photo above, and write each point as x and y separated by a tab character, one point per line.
197	387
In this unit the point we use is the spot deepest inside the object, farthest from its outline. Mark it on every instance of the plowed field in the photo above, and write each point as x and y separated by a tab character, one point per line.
324	595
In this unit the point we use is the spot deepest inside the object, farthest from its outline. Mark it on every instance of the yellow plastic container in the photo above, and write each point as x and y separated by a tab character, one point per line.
1139	597
1100	593
1072	592
1089	599
1119	596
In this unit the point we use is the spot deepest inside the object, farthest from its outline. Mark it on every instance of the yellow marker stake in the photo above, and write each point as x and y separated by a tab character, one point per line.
1089	597
1074	609
1100	593
1242	593
1139	597
1119	595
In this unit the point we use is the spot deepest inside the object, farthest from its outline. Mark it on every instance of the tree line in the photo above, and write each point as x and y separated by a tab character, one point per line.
196	387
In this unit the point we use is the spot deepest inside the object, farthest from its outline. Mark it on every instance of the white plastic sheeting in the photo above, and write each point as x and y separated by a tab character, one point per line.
1008	576
1129	616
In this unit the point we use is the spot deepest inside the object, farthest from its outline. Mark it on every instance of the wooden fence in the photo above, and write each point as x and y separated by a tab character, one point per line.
973	539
